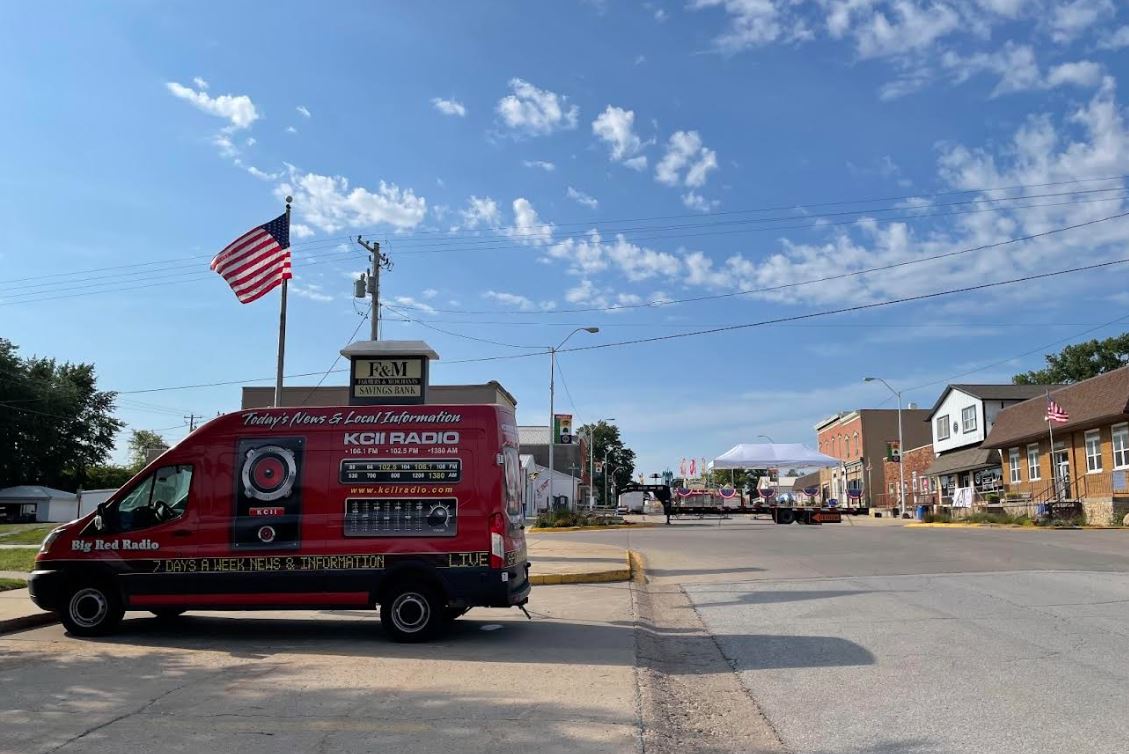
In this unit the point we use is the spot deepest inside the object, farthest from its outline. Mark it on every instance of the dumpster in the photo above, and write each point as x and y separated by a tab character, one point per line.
921	511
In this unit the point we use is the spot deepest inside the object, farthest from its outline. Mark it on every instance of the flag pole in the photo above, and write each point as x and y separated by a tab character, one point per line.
1051	431
282	325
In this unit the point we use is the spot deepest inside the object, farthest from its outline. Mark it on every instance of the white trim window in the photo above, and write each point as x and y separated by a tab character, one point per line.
1013	465
1094	451
1033	462
1120	446
968	419
943	427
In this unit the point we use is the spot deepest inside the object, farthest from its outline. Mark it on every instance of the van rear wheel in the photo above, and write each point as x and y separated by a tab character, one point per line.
91	609
411	612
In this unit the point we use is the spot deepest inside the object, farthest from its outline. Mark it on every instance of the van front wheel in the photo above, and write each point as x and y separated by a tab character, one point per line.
411	613
92	609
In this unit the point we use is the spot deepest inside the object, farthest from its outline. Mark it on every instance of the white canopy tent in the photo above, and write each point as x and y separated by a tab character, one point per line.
775	455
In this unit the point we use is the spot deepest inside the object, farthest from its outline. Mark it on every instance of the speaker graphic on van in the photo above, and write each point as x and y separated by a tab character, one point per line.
268	494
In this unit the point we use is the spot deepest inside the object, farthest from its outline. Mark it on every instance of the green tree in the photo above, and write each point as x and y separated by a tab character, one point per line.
54	422
1079	362
608	443
106	476
140	441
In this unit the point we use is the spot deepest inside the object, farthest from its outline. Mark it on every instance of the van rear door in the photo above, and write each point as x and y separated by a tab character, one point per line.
514	508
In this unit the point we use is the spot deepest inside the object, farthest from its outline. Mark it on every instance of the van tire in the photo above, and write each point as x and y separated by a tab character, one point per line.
92	608
412	612
168	613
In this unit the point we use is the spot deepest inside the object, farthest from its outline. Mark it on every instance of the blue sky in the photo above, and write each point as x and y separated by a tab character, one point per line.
524	161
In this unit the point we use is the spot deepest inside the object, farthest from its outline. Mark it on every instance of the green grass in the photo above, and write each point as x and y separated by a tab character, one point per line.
24	534
21	559
6	584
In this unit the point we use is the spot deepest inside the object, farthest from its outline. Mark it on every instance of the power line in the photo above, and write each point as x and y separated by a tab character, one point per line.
675	336
335	240
571	402
784	286
331	366
424	323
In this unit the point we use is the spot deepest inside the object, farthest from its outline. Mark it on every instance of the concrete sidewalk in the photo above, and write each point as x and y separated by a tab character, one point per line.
556	560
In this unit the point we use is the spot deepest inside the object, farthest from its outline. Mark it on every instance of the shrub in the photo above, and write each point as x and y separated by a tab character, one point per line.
938	518
563	518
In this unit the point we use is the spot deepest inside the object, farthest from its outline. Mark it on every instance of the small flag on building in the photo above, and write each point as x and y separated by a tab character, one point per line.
1056	413
258	261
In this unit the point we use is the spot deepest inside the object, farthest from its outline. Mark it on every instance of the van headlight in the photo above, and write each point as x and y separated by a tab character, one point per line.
50	539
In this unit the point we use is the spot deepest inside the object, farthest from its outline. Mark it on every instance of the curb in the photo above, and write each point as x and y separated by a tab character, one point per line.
24	622
633	572
638	565
562	529
1014	526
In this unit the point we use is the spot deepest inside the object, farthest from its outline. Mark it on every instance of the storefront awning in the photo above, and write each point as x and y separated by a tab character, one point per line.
968	459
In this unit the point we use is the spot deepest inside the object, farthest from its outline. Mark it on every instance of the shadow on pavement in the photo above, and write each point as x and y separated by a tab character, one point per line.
670	572
768	597
776	652
172	701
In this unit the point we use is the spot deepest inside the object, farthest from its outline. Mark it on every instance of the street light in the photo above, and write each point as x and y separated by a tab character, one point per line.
901	449
552	400
768	438
592	462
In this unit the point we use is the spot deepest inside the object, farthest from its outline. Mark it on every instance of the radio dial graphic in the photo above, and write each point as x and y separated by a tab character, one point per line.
269	473
438	516
266	534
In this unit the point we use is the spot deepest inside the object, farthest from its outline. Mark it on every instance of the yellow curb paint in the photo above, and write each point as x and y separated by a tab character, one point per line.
591	577
638	566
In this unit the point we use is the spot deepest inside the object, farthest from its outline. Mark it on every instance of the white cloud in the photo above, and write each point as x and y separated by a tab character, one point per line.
430	293
517	301
1070	19
695	201
261	174
238	110
291	130
661	15
685	152
581	198
1019	71
588	294
411	303
298	230
636	163
754	23
534	111
1116	40
589	254
1082	73
329	204
615	127
908	27
309	290
449	106
481	212
303	110
199	83
250	141
548	167
527	227
640	59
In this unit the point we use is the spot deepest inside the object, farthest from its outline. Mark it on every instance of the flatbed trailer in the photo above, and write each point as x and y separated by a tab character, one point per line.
781	514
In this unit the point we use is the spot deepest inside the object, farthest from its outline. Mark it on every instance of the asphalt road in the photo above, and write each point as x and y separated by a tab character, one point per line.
330	682
881	638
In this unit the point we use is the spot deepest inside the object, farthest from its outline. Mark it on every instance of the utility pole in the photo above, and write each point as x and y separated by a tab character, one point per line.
380	262
191	419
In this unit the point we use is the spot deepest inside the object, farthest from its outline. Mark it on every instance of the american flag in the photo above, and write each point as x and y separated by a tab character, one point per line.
257	261
1056	413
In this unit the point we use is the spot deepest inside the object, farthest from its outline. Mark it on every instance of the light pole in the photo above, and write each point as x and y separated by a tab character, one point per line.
592	462
768	438
901	449
552	400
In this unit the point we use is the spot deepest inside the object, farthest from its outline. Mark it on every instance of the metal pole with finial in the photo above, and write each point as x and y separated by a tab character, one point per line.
282	322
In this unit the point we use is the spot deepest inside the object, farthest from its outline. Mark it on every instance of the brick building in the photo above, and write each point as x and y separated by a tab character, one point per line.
919	490
1090	459
862	439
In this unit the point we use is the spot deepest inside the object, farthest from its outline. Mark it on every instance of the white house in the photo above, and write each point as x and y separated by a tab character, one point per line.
32	502
91	499
537	481
960	420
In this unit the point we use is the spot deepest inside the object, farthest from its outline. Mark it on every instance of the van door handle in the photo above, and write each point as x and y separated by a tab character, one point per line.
182	533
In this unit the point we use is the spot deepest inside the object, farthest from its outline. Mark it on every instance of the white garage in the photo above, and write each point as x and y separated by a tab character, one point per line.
31	502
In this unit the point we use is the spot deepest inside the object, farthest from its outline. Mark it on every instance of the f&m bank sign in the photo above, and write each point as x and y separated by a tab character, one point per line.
388	379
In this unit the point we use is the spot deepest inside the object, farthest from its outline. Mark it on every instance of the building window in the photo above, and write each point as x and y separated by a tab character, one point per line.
1121	446
1033	462
848	453
968	419
1093	451
1013	464
943	427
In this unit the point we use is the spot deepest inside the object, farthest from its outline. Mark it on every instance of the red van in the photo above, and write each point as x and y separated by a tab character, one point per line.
416	509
